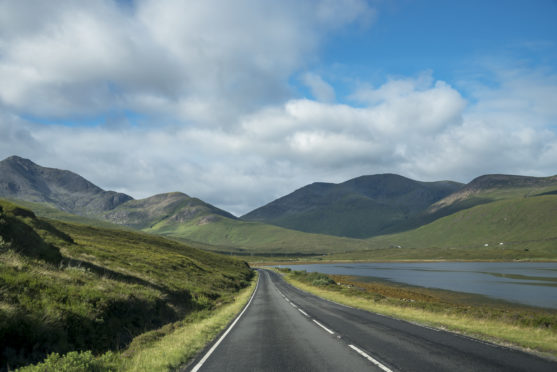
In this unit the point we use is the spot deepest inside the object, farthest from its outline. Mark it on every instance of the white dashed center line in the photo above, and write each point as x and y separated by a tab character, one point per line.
372	360
355	348
322	326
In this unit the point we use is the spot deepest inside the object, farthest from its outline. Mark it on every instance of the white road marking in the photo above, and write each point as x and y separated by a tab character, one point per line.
356	349
372	360
322	326
211	350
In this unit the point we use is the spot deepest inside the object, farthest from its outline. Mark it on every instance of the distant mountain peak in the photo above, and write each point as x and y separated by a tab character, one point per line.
19	159
23	179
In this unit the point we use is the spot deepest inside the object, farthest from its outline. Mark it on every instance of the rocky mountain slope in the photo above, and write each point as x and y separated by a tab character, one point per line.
24	180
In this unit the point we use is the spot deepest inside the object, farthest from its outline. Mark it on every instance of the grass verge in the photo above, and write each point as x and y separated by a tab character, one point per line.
534	330
73	297
188	339
164	349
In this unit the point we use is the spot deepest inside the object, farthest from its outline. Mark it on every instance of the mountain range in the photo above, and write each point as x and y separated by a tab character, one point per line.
362	214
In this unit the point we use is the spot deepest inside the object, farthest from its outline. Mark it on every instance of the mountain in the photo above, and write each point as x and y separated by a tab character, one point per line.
492	187
359	208
369	214
24	180
170	209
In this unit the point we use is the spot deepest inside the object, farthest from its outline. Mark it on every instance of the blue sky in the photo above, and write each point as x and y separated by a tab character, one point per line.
241	102
451	38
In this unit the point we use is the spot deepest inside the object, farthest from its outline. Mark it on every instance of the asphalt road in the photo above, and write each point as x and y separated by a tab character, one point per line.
285	329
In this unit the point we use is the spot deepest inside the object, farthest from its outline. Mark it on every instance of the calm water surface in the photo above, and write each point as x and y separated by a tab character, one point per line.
523	282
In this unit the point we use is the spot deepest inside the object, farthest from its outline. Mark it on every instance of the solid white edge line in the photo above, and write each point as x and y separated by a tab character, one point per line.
372	360
212	349
322	326
303	312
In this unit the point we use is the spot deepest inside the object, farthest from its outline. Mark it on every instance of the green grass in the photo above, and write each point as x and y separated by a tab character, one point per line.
68	287
53	213
164	349
525	226
496	321
186	340
252	237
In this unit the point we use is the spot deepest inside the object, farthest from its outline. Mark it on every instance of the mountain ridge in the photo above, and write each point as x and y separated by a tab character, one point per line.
389	203
23	179
360	207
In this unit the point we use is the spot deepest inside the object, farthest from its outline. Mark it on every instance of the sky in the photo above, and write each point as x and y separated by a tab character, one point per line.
241	102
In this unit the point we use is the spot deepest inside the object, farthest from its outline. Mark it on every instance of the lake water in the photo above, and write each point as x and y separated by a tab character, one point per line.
523	282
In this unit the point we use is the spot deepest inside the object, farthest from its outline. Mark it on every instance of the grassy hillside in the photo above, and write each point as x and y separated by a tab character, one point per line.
493	187
67	287
519	228
236	236
52	213
170	208
220	234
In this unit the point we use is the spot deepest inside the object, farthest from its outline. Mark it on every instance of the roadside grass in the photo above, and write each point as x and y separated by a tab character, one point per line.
71	288
184	342
502	323
164	349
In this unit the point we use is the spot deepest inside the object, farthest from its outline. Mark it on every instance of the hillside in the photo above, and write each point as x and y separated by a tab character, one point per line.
22	179
169	209
515	228
492	187
76	287
240	237
362	207
368	212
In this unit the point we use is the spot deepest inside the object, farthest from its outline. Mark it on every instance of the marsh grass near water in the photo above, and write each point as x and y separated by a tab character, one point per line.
530	328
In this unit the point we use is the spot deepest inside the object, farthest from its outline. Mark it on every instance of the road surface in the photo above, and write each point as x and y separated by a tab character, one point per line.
285	329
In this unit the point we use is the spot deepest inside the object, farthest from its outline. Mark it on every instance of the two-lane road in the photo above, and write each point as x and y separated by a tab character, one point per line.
285	329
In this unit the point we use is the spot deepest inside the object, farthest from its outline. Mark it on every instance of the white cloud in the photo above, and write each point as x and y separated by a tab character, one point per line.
211	79
423	131
206	61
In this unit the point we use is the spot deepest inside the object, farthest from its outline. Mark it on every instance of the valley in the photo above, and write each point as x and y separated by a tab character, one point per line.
380	217
137	275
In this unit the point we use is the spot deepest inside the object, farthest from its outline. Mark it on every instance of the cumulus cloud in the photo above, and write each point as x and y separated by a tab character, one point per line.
209	81
425	130
195	61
